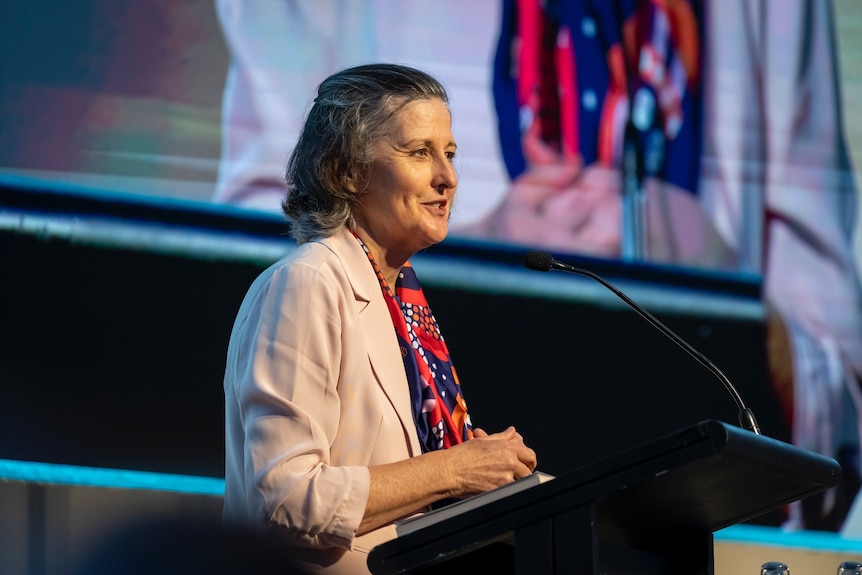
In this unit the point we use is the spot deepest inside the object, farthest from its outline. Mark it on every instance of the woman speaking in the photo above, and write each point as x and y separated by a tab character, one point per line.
344	412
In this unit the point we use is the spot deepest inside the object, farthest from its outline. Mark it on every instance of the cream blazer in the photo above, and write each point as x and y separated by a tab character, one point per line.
315	393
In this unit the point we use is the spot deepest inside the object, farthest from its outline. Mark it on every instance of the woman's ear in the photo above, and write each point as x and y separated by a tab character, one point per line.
351	184
355	183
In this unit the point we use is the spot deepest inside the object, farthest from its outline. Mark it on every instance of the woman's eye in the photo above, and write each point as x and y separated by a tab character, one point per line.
421	152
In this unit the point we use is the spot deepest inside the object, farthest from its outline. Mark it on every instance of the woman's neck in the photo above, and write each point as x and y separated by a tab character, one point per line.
390	274
389	261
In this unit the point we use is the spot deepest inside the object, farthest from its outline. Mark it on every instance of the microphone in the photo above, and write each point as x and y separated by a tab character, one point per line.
543	262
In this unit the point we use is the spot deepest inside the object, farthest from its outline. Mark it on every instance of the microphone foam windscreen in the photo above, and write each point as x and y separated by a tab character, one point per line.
541	261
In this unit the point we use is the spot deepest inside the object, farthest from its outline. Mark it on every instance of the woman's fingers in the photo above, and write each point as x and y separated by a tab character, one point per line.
490	460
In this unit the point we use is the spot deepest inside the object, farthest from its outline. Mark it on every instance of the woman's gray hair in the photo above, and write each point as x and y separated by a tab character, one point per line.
353	109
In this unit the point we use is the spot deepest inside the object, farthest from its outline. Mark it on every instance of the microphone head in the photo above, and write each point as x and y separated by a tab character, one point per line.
539	261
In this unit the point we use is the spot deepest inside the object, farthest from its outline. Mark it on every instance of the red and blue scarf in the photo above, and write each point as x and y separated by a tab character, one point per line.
439	409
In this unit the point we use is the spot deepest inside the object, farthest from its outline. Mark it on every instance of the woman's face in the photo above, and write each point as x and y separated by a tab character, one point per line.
407	198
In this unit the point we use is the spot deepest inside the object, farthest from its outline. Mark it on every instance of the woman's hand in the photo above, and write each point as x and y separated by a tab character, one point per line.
579	209
488	461
560	204
485	462
557	203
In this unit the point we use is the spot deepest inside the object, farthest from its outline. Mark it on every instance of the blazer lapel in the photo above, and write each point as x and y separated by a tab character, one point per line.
384	352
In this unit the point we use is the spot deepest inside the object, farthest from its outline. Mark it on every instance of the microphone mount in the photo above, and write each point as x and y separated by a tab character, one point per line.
542	261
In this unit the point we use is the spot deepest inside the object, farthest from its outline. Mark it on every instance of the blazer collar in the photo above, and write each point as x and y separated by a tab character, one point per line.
360	274
384	352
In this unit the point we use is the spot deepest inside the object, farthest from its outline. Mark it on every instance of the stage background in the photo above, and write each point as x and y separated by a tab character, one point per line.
126	98
123	275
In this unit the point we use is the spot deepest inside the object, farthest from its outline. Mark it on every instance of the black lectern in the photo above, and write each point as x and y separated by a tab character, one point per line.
650	510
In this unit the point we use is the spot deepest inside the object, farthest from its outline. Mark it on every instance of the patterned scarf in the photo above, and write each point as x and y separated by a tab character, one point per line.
439	409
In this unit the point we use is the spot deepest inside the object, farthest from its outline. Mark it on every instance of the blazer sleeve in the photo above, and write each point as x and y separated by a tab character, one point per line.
286	361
